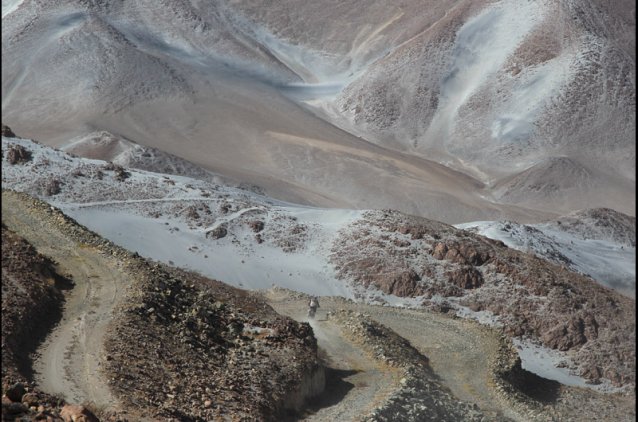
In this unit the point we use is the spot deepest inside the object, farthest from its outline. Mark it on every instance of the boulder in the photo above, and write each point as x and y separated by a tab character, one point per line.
15	392
6	131
256	225
17	154
440	250
30	399
74	413
402	283
217	233
466	277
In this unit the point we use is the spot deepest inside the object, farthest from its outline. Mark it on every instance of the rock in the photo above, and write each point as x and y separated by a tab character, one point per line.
460	253
53	187
15	392
566	335
191	212
6	131
466	277
439	251
405	284
30	399
18	154
256	225
74	413
217	233
13	409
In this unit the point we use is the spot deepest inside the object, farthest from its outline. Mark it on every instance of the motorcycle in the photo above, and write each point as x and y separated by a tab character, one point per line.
311	312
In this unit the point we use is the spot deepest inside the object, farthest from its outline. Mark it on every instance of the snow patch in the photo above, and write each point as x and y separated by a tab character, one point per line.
8	6
482	46
554	365
611	264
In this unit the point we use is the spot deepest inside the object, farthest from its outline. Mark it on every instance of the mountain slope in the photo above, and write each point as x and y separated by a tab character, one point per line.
312	113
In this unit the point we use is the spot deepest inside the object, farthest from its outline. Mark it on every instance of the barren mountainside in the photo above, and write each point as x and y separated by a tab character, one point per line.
452	182
492	109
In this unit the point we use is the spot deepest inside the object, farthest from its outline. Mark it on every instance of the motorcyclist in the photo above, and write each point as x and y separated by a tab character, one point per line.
313	304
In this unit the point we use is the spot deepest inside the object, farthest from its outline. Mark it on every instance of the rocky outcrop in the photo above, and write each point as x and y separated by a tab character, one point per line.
187	347
256	225
530	296
53	187
466	277
17	154
463	253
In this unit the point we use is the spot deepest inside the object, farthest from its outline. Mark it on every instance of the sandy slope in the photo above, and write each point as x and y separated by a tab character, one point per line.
69	361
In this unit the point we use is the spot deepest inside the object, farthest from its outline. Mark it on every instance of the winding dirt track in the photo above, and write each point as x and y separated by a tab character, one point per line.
459	351
366	380
69	360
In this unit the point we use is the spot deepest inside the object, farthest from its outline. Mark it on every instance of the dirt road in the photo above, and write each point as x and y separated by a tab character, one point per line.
459	351
69	360
356	382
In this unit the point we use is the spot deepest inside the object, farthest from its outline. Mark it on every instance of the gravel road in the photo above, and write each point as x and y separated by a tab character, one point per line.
68	362
356	382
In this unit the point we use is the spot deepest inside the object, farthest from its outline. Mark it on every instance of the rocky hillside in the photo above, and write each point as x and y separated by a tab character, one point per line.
599	243
450	268
189	348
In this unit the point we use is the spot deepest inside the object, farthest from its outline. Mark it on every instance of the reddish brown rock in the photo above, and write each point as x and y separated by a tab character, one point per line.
440	250
256	225
566	335
466	277
405	284
30	399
